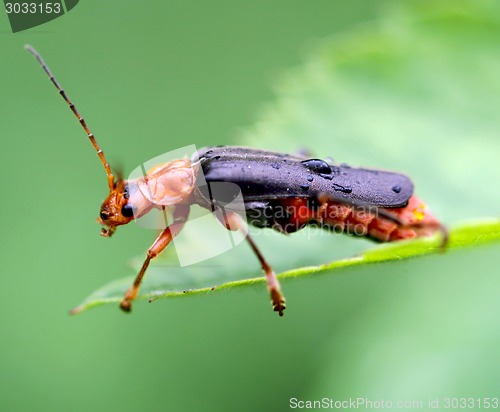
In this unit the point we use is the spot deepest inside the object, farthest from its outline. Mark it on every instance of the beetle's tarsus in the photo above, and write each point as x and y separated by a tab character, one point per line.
126	306
278	302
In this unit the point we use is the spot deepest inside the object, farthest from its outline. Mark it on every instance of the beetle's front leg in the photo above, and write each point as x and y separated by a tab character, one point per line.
234	222
162	241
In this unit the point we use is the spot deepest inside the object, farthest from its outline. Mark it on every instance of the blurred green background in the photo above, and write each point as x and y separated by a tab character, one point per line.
410	86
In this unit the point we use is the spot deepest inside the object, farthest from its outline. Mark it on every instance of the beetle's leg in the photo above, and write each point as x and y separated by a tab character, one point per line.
234	222
180	215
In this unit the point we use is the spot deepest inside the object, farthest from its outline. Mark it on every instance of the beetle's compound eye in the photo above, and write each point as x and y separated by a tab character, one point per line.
127	210
104	215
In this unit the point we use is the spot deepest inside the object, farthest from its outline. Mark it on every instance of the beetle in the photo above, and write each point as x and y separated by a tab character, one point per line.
279	191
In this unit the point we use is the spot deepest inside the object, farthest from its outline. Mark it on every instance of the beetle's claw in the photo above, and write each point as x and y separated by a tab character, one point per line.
278	302
126	306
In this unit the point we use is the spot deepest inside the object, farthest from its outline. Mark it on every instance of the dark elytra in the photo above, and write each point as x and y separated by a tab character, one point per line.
266	175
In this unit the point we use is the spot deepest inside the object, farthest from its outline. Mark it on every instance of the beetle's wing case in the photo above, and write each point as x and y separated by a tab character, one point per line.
265	175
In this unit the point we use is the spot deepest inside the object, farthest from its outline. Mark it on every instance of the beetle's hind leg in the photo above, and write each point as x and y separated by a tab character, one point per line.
273	285
234	222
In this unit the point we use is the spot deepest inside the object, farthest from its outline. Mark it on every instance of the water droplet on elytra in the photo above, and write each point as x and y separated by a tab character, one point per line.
317	165
343	189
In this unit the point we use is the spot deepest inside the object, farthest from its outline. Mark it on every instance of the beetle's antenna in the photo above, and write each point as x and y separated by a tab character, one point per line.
100	153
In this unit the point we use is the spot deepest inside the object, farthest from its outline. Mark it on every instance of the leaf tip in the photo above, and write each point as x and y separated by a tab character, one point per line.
76	310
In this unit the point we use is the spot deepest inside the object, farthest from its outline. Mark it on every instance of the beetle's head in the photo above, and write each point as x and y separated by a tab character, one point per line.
116	209
165	185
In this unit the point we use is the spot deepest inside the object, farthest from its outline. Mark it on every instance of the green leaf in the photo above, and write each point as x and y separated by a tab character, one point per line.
417	92
165	283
